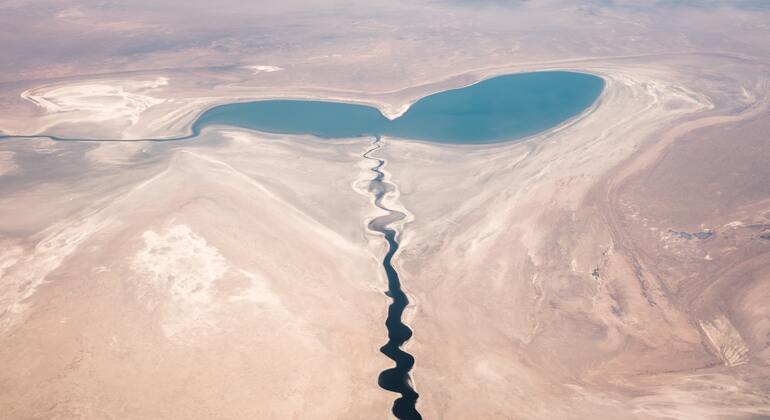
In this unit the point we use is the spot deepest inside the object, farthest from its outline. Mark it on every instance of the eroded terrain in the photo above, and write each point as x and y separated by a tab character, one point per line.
615	267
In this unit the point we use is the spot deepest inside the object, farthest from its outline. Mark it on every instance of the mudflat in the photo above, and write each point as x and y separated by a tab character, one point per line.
612	266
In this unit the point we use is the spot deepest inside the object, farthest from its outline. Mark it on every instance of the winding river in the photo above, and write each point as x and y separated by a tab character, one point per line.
395	379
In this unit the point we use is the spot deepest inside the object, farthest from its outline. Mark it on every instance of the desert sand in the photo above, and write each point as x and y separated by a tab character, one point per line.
556	259
129	296
617	266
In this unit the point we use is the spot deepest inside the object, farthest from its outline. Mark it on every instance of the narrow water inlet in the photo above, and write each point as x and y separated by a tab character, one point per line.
395	379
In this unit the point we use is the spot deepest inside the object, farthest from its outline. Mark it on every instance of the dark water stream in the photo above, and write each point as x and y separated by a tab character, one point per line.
395	379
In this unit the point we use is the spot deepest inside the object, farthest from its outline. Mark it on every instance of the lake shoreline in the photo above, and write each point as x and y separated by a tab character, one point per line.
495	110
385	108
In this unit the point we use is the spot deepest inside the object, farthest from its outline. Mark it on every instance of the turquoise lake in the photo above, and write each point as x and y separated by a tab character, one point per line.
493	110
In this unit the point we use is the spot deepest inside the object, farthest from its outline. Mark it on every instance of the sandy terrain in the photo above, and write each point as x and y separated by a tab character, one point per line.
615	267
140	299
560	298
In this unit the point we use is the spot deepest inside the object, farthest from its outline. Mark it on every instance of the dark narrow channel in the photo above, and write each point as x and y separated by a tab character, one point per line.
395	379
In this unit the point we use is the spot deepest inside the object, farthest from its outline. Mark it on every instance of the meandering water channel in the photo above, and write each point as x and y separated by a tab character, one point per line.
395	379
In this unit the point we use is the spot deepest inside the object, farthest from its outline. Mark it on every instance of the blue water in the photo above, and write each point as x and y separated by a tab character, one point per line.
494	110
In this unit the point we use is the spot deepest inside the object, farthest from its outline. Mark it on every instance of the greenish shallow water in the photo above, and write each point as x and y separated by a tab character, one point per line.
494	110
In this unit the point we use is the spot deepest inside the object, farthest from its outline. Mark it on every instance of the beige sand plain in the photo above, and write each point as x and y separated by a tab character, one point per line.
215	280
544	302
615	267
